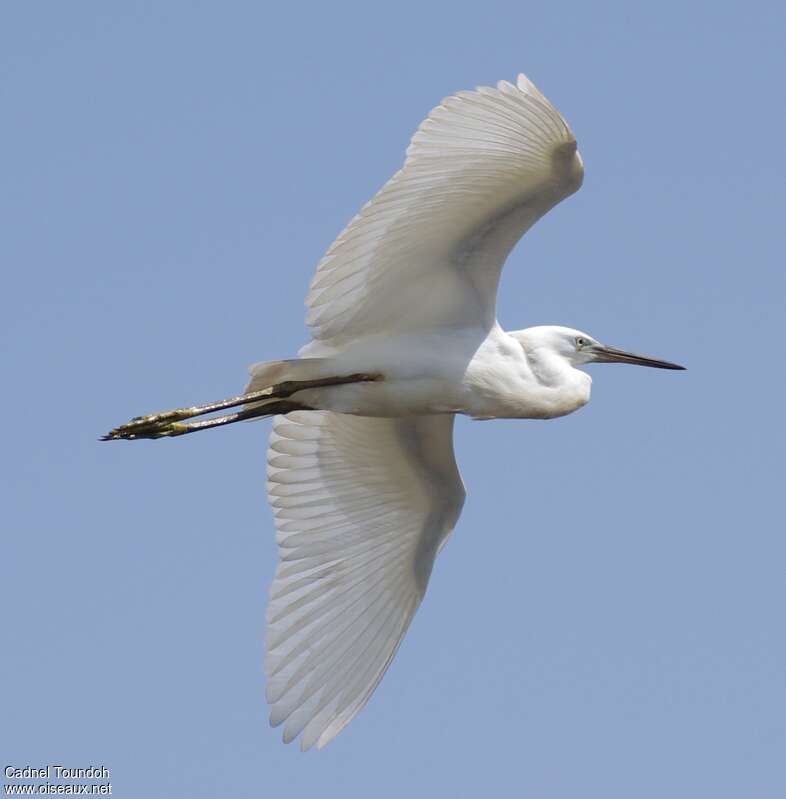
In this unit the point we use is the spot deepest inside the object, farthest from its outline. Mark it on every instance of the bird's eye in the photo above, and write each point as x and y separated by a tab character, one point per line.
580	342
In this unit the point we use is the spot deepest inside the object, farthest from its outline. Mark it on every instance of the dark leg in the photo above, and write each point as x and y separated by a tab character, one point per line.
169	423
169	429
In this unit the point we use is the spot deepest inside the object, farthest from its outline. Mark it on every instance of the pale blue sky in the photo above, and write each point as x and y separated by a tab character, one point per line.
607	620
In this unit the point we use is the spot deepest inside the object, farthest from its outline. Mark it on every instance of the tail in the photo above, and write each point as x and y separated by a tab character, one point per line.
278	381
270	373
267	374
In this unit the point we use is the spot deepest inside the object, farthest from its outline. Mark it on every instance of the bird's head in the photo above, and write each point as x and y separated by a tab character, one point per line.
580	348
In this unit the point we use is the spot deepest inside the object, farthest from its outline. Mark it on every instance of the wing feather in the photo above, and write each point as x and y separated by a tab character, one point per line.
428	249
377	498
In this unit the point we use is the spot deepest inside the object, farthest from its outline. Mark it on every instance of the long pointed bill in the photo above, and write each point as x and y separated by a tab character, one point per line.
604	354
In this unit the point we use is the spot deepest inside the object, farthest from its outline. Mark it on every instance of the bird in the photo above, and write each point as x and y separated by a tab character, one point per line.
361	472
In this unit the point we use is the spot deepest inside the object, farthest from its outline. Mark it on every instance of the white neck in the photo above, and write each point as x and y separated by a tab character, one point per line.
565	388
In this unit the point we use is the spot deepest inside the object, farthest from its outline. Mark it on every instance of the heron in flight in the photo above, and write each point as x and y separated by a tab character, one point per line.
362	476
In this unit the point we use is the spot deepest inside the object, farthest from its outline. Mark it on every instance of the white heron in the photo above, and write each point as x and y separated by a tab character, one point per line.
361	471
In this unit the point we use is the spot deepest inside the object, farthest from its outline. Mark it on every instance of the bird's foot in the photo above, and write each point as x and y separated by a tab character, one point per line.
154	425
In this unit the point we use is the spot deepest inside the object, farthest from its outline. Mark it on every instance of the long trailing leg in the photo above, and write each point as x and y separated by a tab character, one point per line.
168	429
170	423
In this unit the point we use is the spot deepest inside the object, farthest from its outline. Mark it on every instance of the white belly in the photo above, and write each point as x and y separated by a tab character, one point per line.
483	375
468	372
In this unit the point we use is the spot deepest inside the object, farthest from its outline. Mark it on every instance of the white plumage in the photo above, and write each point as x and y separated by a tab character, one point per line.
481	169
362	504
361	472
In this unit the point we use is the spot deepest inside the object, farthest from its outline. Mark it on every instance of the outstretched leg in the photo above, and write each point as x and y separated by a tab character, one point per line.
266	402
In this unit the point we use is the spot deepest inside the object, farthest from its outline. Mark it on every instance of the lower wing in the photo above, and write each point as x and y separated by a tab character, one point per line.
362	507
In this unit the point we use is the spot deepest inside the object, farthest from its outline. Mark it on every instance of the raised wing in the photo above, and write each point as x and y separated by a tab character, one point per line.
428	250
362	507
